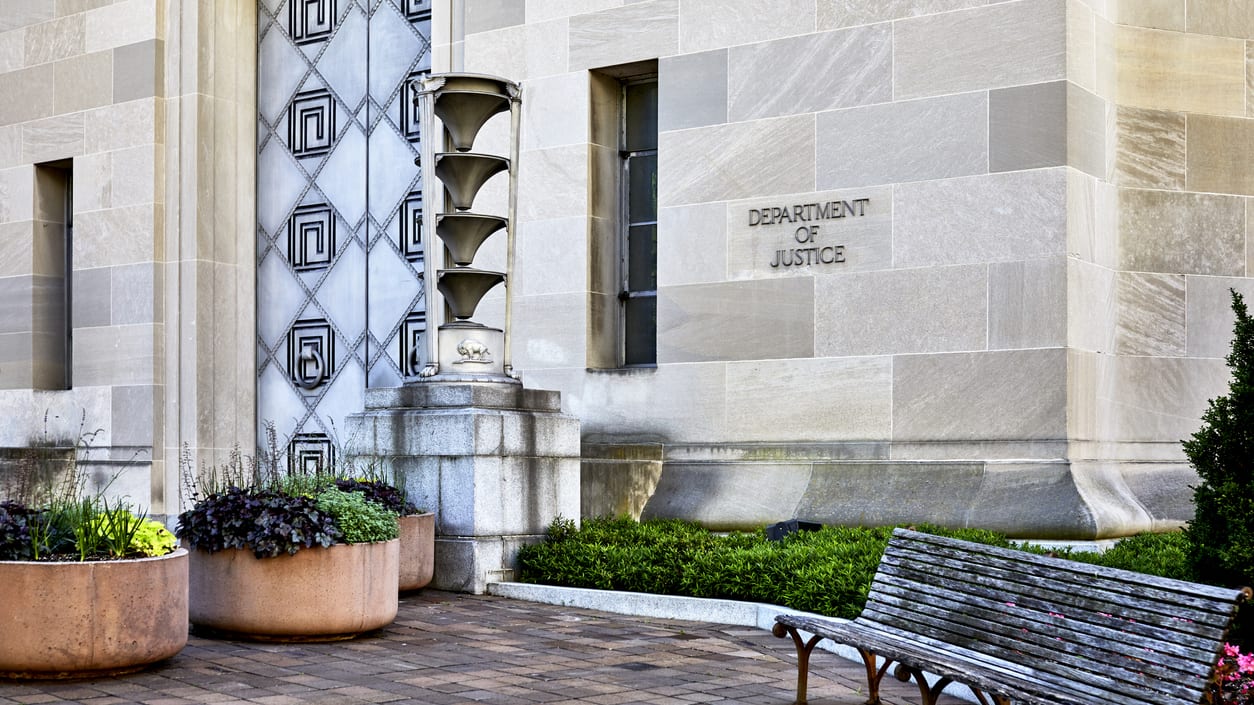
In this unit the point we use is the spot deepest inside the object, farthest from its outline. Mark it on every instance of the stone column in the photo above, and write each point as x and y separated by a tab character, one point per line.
205	397
494	461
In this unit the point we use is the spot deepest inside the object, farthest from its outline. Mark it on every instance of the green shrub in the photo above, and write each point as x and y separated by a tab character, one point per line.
1221	534
266	521
358	519
1165	555
616	554
15	530
828	571
381	493
151	538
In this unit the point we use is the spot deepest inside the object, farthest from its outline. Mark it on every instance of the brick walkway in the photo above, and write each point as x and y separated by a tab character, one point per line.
447	649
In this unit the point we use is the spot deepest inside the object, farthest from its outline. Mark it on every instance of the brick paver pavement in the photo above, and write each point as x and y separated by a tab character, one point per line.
449	649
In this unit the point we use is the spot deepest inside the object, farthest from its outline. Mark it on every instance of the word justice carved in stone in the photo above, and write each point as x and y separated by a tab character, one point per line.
801	215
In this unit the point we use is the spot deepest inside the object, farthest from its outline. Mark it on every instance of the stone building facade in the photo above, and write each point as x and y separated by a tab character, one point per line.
875	261
149	107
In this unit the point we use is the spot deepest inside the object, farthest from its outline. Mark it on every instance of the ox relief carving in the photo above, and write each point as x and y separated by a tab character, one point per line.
473	350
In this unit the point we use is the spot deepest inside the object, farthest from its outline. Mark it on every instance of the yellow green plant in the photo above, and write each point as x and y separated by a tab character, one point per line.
125	534
152	539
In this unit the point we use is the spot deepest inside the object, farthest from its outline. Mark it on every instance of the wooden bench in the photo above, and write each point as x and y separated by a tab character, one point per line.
1017	627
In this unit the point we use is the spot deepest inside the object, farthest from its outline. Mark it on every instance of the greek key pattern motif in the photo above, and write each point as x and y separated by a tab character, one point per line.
339	199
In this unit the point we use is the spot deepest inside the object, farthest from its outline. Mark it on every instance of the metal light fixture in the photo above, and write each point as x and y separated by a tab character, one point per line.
461	349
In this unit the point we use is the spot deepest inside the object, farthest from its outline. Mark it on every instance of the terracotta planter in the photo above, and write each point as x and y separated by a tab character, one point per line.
319	594
417	550
78	620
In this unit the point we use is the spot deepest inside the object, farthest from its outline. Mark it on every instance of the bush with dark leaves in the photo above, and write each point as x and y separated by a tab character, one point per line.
269	522
381	493
15	539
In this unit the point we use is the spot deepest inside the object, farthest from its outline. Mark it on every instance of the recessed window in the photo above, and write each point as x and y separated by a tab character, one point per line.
638	231
52	277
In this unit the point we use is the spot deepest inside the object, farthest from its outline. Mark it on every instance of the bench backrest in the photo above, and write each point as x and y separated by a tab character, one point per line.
1123	636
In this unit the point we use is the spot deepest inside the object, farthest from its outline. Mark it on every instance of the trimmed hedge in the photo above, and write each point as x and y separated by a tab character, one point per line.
828	571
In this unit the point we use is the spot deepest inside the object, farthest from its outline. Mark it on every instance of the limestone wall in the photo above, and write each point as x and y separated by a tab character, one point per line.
1008	341
150	104
1163	236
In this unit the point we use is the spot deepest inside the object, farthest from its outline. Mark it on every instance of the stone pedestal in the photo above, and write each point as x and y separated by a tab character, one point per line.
494	461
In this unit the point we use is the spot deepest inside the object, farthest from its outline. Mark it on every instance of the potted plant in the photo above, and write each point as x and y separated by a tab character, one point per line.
88	586
290	558
416	527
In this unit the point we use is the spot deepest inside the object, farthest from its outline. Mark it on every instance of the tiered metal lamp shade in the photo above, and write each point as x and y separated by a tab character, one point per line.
463	233
463	288
464	173
464	104
464	113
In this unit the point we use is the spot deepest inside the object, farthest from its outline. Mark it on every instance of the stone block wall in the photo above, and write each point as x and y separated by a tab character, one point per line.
1170	221
1043	185
82	95
148	104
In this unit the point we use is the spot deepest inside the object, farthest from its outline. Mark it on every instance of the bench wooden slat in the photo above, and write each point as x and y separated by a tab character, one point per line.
1098	657
1008	677
984	609
1192	628
1017	577
1032	629
1137	584
1066	659
1129	637
1016	587
992	676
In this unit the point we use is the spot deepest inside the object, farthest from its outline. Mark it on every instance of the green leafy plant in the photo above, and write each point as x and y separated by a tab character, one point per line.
358	519
15	531
274	507
124	533
52	511
828	571
1221	534
379	492
269	522
151	538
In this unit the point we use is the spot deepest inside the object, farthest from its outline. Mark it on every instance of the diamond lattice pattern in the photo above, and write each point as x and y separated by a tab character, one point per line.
338	206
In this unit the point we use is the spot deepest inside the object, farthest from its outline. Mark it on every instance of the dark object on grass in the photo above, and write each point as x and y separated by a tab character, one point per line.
777	532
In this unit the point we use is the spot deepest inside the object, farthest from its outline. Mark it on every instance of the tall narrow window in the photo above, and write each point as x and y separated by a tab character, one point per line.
52	276
638	152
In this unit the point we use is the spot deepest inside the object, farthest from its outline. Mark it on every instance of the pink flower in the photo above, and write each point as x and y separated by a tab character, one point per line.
1231	650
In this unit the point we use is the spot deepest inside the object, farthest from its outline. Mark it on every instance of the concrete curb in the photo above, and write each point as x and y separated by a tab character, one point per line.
640	604
693	609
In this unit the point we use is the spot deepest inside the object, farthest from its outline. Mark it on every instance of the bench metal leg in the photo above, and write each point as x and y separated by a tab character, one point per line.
804	647
929	693
873	675
984	698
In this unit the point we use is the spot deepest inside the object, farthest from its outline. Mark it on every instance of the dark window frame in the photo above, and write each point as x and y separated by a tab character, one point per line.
638	155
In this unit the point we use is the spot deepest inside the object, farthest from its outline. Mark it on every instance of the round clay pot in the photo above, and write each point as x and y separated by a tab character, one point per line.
318	594
92	618
417	550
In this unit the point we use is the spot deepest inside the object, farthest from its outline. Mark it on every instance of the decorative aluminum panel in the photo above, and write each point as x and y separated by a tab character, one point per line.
339	202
